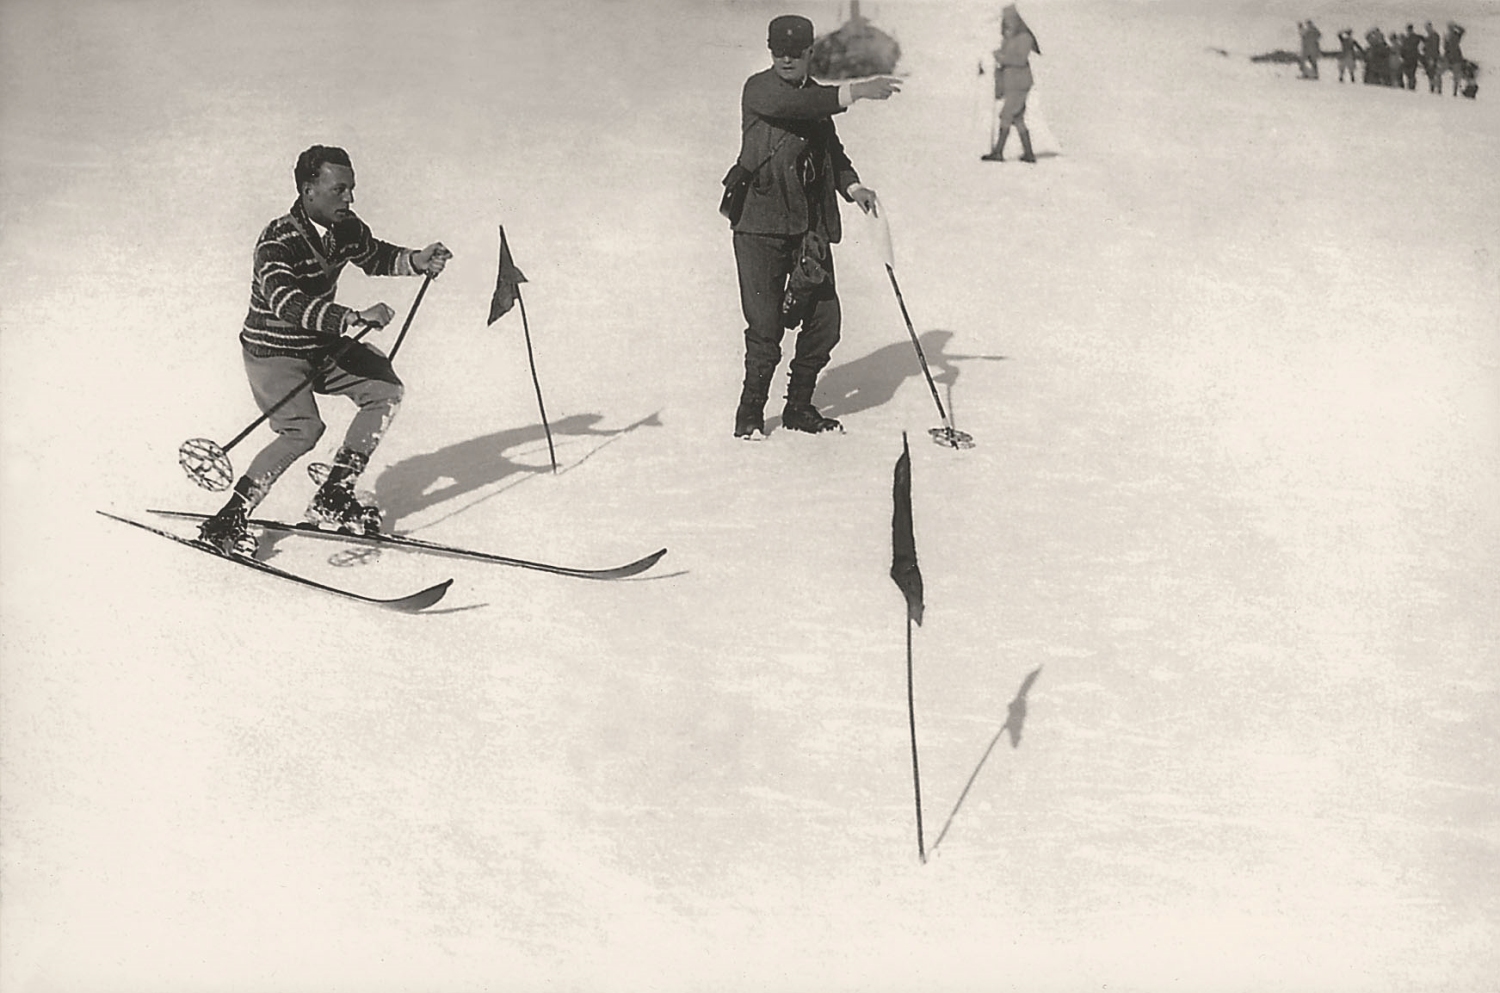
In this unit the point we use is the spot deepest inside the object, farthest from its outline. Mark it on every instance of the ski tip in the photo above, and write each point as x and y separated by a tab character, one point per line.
633	569
421	601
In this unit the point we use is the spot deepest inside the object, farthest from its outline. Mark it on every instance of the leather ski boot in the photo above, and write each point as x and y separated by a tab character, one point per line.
800	415
750	415
750	421
228	531
1026	153
997	154
336	507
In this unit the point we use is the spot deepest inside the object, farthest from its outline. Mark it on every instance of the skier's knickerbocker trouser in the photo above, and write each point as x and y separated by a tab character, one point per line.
362	374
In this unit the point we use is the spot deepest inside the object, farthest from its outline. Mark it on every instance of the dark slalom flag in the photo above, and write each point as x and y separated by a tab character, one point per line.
903	543
507	283
909	579
507	294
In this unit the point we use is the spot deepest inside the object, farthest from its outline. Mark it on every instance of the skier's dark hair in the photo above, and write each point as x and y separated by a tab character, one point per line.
311	162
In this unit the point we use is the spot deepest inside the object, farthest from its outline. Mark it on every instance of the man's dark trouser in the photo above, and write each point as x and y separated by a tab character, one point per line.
764	262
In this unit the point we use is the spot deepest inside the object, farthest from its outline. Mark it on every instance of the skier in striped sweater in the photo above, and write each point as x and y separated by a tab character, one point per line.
292	327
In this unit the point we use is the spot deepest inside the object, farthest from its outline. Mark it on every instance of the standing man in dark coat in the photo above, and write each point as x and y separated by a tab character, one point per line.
1377	58
1432	60
1453	54
1349	51
1411	54
789	219
1312	41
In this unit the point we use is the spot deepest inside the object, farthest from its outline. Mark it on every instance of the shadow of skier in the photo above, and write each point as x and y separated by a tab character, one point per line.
414	484
872	380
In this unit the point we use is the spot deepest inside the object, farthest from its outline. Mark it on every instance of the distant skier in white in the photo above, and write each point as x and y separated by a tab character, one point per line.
1013	82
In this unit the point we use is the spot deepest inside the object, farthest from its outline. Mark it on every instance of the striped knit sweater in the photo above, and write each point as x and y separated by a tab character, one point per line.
291	295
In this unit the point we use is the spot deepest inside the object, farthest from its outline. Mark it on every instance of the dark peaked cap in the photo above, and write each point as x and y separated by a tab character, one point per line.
789	34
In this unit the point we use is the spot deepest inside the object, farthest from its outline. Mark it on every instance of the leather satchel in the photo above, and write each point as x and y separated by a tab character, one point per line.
737	184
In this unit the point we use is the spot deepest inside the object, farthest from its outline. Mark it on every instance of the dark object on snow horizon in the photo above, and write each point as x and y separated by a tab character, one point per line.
857	49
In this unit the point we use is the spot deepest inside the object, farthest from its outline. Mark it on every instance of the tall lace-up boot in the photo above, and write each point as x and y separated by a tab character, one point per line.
750	415
336	507
228	531
799	414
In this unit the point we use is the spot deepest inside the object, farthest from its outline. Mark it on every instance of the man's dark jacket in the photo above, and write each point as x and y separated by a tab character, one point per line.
790	129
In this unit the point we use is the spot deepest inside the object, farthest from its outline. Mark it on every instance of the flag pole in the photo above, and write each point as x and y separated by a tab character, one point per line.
530	358
908	578
911	711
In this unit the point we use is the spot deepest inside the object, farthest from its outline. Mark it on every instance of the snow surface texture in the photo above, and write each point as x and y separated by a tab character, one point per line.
1229	355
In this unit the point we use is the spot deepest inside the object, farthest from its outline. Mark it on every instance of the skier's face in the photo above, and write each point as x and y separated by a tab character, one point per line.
792	66
330	195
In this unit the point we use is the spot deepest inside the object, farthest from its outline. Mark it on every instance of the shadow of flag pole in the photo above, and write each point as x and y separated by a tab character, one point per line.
1015	719
508	294
908	579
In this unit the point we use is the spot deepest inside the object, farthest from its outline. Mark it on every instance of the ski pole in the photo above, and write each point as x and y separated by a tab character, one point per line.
916	344
947	434
409	315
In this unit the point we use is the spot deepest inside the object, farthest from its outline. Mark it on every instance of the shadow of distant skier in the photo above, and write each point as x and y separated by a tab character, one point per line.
414	484
873	380
1015	718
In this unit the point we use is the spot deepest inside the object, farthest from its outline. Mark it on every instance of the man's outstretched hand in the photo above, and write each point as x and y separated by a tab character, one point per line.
878	88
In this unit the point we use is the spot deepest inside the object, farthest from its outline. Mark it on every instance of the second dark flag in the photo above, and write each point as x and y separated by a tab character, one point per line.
903	542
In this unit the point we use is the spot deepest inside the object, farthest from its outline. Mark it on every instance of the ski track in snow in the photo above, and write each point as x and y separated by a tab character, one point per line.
1228	351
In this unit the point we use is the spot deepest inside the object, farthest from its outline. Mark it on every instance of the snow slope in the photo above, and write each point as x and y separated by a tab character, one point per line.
1230	358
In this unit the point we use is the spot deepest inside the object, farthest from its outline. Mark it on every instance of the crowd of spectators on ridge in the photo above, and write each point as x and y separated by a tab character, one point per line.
1393	59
